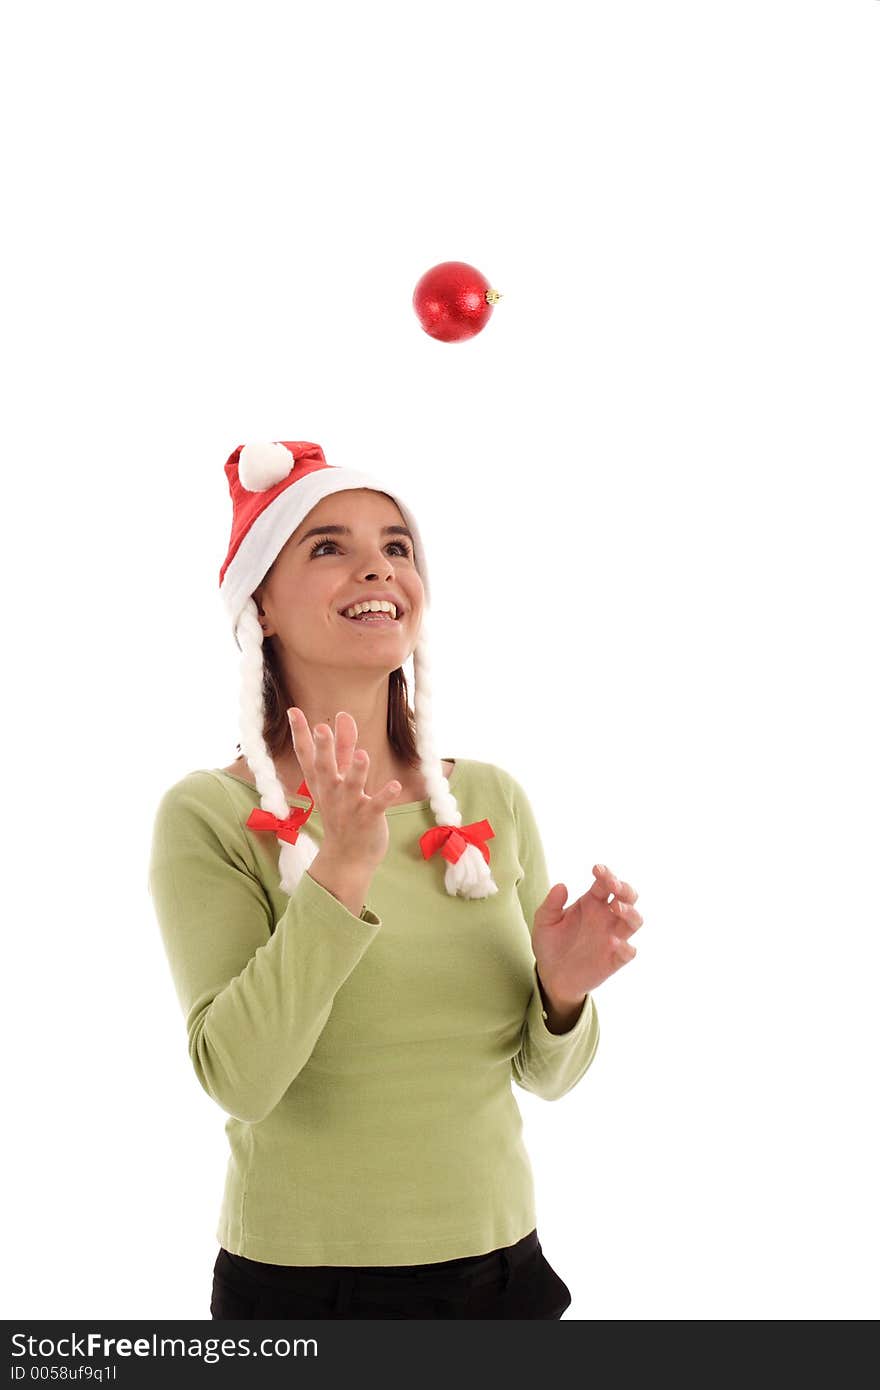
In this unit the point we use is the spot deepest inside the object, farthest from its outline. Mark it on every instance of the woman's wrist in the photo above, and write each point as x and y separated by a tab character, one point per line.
348	882
562	1014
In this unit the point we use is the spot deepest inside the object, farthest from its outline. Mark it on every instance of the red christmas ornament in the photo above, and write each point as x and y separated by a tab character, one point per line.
453	301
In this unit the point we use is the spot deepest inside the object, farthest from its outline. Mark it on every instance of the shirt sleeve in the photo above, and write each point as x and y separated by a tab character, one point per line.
548	1064
255	993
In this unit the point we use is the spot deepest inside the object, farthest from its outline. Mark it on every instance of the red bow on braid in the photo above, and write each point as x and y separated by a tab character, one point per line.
287	828
452	840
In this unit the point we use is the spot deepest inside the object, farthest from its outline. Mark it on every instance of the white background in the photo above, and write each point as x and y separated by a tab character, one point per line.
646	497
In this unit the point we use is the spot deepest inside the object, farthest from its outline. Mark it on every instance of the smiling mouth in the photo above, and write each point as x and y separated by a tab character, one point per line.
374	619
380	614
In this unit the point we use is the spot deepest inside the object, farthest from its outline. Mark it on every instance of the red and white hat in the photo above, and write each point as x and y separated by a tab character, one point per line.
273	487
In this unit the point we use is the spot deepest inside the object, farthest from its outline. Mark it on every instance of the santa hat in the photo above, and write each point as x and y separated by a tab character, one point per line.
273	487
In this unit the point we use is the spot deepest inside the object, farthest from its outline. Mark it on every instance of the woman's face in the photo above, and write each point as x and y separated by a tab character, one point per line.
319	572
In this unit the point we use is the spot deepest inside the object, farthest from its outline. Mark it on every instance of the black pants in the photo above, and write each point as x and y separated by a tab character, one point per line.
513	1282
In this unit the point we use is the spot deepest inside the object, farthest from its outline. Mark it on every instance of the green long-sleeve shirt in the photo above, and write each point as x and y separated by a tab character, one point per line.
365	1063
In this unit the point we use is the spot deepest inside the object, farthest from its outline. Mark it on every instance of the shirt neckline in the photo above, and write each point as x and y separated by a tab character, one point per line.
390	811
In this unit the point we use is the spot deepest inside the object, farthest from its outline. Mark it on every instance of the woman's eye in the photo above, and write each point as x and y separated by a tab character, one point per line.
328	540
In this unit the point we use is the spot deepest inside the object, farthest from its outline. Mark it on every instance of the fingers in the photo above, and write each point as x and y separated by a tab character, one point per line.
335	756
319	749
303	743
622	952
615	885
314	749
356	776
346	740
626	892
602	883
388	792
325	753
630	919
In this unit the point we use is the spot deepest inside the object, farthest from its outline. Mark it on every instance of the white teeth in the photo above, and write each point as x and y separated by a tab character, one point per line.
374	606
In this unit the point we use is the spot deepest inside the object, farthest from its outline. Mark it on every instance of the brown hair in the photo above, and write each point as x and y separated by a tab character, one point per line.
276	725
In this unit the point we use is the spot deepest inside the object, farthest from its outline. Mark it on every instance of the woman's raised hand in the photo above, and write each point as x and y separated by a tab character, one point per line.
579	946
335	769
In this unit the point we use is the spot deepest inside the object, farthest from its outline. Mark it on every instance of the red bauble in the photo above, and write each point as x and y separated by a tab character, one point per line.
453	301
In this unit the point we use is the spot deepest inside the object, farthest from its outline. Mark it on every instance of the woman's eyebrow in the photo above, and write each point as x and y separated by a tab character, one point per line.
346	531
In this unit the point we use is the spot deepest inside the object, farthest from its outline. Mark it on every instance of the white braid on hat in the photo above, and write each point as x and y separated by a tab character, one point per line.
273	488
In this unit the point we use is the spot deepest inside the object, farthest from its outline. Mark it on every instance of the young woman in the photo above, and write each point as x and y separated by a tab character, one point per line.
363	937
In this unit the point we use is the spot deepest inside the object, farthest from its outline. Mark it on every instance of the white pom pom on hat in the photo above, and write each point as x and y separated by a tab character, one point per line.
261	466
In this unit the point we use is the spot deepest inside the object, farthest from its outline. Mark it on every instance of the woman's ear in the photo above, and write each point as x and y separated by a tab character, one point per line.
257	597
